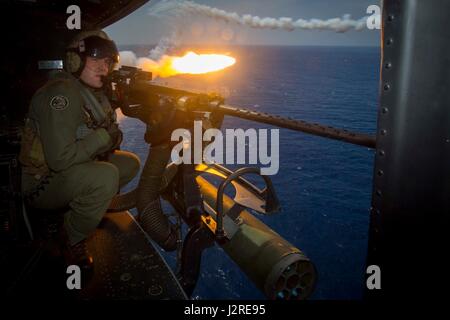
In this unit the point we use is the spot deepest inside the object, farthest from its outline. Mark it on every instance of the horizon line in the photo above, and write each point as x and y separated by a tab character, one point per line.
260	45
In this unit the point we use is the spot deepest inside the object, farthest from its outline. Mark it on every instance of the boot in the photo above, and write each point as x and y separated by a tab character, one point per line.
79	255
75	254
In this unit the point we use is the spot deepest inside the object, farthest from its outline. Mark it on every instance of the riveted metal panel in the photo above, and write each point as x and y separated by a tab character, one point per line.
411	185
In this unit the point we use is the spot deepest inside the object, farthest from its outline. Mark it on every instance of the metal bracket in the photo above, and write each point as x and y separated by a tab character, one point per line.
272	203
247	194
198	239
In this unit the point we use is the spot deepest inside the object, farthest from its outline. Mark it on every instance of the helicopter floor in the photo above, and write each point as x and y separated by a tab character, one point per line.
127	266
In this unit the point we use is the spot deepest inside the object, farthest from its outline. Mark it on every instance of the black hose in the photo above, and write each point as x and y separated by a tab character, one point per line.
147	201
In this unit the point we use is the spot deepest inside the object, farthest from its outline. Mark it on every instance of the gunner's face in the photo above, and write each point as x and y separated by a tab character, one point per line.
94	69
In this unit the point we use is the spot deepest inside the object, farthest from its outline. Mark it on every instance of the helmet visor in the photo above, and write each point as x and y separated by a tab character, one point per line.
100	48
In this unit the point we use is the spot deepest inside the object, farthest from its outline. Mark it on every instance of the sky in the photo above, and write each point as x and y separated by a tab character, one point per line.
142	28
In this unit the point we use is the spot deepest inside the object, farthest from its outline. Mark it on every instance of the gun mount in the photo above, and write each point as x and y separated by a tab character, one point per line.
277	268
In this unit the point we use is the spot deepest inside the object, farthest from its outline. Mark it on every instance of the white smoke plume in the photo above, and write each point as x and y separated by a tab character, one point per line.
164	45
156	58
181	8
129	58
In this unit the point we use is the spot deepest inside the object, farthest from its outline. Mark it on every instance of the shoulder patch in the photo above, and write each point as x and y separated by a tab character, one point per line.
59	102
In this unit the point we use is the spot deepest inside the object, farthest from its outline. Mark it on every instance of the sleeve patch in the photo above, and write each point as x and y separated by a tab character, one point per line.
59	102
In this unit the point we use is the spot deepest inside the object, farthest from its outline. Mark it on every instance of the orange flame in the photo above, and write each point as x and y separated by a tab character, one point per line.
190	63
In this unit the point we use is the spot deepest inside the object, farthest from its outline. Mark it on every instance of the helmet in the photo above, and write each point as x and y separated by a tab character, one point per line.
95	43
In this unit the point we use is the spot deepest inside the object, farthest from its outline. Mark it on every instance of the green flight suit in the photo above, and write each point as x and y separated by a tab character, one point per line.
76	179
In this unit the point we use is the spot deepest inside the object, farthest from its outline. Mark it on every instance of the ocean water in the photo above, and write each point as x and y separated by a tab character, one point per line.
324	186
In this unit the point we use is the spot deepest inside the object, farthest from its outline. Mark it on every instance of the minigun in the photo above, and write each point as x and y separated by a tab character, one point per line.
142	98
277	268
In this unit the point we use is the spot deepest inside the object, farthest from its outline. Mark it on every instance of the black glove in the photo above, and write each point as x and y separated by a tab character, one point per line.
115	134
161	131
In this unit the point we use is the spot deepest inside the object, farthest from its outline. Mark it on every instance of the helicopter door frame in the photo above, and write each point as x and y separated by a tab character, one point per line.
411	178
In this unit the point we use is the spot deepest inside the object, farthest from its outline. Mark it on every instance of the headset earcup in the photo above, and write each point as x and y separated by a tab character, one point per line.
73	62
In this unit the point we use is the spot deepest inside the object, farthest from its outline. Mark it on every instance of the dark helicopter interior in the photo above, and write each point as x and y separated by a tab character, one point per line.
411	186
36	31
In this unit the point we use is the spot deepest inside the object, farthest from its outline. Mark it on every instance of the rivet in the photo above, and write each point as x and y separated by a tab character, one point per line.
384	110
388	65
390	17
381	153
383	132
389	41
380	173
387	86
378	193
